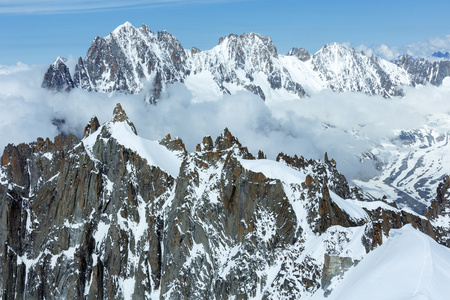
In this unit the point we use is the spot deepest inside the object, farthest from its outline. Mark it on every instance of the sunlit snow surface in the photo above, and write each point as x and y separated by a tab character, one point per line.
273	169
155	154
409	265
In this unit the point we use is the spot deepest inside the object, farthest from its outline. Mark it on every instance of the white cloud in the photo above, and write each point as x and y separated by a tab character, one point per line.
344	125
423	49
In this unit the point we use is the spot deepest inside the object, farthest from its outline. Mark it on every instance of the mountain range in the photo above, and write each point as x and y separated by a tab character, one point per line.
108	214
134	60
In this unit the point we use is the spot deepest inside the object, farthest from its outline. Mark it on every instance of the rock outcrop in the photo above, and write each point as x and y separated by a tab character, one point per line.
439	212
300	53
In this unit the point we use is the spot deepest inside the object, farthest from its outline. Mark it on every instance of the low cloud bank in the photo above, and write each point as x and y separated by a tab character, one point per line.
344	125
423	49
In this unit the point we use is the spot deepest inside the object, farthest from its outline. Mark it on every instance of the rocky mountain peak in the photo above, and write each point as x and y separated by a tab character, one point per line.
336	51
59	60
301	53
175	144
226	140
422	71
127	218
345	69
58	76
250	43
441	55
119	115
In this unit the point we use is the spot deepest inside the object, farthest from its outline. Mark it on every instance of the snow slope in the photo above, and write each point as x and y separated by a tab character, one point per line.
409	265
156	154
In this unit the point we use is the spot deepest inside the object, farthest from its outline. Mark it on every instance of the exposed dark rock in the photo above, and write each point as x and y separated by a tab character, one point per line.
300	53
422	71
119	115
173	144
91	127
335	266
81	76
58	76
439	211
255	90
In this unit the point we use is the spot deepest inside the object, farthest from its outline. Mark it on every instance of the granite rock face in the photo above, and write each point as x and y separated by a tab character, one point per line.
99	220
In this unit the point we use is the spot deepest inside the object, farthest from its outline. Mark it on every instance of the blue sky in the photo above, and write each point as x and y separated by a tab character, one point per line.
36	32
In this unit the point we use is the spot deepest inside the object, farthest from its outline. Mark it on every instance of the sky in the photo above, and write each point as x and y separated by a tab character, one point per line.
36	32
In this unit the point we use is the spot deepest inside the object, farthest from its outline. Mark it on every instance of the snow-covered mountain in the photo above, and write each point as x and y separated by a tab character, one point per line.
133	60
344	69
411	163
128	58
116	216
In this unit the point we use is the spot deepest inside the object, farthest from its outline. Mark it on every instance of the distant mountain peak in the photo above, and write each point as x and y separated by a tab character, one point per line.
124	27
300	53
440	54
58	76
59	60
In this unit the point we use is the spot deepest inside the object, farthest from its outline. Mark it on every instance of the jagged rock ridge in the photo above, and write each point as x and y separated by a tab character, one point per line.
107	218
422	71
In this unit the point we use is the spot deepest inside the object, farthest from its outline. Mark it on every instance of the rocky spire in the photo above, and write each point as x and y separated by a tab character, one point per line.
58	76
91	127
226	140
119	115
